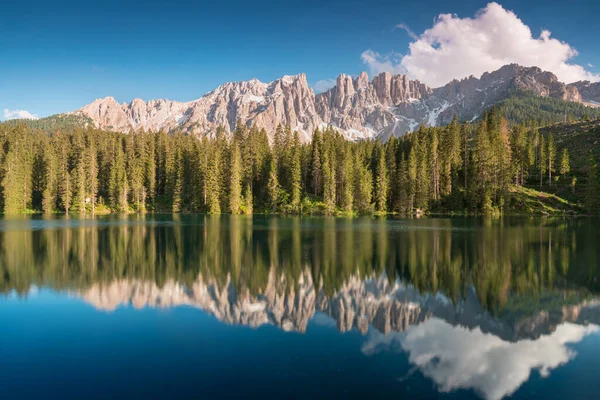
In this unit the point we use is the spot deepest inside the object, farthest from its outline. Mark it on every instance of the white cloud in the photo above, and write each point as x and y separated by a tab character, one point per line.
409	31
590	65
14	114
454	48
378	63
324	85
455	357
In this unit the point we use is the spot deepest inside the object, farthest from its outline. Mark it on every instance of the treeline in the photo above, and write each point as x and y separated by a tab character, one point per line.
54	122
453	168
526	107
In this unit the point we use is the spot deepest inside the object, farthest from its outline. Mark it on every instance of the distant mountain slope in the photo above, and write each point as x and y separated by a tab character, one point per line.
579	138
388	105
55	122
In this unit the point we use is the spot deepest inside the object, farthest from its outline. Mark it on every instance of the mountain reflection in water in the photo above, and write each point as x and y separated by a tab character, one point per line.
474	303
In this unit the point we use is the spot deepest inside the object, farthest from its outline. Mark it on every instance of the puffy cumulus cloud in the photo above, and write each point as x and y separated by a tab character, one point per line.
458	358
324	85
18	114
455	48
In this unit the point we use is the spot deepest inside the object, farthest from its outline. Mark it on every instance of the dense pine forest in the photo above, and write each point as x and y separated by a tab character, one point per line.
478	168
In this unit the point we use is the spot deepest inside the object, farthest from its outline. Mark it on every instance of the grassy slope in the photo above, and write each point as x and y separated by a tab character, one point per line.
530	201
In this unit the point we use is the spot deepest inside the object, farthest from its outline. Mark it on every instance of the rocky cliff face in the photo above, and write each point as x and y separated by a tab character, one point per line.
358	304
286	101
589	92
389	105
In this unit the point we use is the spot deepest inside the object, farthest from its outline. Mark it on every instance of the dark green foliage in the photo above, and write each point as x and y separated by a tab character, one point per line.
54	123
468	168
527	107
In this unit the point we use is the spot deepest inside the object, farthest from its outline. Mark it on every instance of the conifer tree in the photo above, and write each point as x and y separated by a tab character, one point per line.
248	201
50	181
348	180
381	182
328	184
551	155
412	178
273	185
542	159
592	192
363	186
213	179
296	174
565	165
91	171
317	176
235	180
64	175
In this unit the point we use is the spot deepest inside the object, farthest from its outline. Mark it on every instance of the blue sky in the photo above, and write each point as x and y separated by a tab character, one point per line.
58	56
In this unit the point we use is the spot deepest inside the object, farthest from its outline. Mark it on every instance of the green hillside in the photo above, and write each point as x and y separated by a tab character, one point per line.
526	107
54	122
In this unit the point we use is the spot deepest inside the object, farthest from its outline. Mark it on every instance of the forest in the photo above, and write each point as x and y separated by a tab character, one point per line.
461	168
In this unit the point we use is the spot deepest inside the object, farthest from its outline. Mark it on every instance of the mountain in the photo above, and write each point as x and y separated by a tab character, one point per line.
287	101
388	105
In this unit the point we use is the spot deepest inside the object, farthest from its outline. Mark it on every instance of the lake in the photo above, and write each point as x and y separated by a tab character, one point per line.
195	306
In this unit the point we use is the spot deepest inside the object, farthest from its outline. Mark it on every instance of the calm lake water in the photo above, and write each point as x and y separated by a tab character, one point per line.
193	306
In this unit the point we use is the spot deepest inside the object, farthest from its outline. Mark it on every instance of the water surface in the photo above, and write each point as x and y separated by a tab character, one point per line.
190	306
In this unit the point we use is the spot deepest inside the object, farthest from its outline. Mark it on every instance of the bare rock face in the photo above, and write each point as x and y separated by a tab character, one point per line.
589	92
286	101
389	105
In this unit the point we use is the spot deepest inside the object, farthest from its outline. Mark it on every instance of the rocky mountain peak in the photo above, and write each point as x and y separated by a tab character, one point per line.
388	105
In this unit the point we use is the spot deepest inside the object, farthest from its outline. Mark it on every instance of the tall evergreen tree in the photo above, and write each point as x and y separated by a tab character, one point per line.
551	155
273	185
565	165
296	174
592	192
381	182
235	180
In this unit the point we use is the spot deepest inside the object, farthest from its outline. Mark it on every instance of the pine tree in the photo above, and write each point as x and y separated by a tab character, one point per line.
381	183
363	186
248	201
403	186
213	180
317	176
592	192
423	177
328	184
64	176
565	165
348	181
235	180
482	158
551	155
434	164
412	179
296	174
91	172
118	178
150	169
542	159
50	181
273	185
80	184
